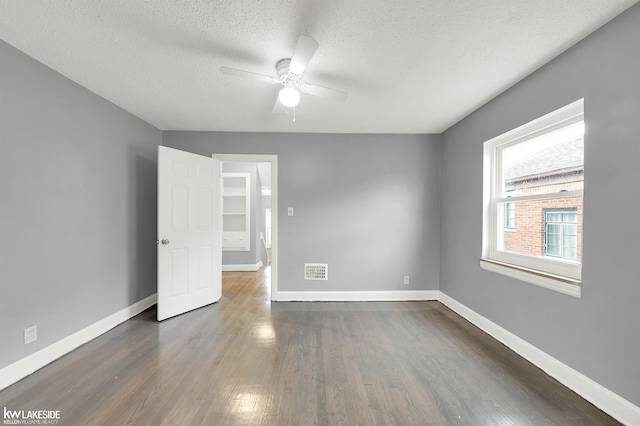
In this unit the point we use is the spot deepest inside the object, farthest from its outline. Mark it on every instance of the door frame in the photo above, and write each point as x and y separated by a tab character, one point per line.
273	159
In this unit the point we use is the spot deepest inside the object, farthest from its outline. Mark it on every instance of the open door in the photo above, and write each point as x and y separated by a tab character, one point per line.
189	232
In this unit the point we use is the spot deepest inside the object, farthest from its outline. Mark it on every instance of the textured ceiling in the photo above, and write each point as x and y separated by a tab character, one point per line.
409	66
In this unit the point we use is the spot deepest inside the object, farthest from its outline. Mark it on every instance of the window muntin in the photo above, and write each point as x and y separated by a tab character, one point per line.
530	171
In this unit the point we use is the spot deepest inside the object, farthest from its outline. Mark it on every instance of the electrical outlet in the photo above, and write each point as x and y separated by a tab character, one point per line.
406	280
30	334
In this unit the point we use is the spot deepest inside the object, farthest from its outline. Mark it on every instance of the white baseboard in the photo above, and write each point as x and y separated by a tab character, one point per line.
355	296
242	268
606	400
611	403
24	367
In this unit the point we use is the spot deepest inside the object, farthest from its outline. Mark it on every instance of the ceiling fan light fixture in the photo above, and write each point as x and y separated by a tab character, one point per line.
289	96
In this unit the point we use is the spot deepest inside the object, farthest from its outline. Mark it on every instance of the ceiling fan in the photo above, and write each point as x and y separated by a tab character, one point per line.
289	74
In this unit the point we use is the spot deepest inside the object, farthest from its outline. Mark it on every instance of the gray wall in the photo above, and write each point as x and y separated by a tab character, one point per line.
368	205
598	334
78	206
252	256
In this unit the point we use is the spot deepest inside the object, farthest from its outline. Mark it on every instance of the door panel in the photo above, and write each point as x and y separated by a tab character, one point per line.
189	232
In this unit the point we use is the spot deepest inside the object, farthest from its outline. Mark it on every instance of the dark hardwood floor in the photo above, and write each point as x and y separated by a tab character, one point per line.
245	361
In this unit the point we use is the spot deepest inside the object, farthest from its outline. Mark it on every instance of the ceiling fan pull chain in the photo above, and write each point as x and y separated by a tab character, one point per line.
294	114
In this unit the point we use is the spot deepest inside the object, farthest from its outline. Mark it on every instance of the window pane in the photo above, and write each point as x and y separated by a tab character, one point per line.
570	253
569	241
553	234
547	227
554	217
549	164
553	251
569	230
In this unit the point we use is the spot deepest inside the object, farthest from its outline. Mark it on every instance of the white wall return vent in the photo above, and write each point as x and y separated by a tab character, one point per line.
316	271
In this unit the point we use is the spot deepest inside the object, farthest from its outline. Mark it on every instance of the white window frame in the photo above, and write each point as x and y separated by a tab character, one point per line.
551	272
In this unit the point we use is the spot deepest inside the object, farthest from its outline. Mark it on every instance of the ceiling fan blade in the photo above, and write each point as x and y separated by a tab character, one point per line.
247	74
305	49
324	92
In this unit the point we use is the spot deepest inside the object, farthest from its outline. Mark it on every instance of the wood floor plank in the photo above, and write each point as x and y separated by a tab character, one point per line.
247	361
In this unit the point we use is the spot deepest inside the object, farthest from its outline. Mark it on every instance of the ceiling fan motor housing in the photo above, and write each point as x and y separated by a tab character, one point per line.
284	75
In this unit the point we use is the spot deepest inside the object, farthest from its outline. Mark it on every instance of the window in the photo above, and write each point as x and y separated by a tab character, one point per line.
509	215
561	233
533	188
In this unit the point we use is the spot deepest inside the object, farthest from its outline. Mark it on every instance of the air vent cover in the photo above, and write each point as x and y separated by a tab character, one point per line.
316	271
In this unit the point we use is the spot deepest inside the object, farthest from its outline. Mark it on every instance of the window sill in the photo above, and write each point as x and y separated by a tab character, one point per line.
564	285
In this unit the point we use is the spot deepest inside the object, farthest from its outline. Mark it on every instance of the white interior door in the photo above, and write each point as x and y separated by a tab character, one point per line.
189	232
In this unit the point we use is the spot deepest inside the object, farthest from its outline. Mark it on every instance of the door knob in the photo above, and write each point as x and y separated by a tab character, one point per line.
164	242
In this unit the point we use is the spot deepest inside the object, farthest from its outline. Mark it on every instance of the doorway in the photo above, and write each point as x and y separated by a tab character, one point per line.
268	166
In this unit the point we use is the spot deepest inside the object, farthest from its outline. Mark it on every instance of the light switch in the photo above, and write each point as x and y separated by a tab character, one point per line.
289	211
